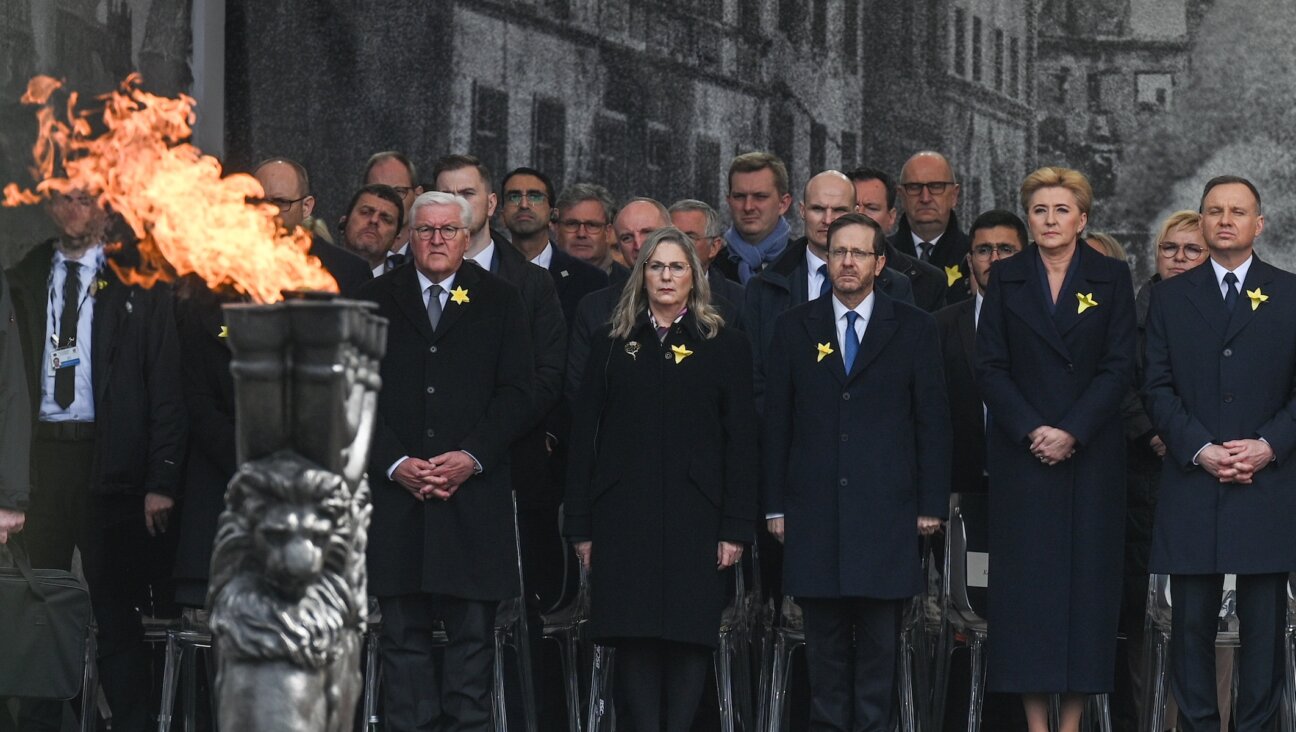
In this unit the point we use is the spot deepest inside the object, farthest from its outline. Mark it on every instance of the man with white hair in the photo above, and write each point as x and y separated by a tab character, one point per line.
456	395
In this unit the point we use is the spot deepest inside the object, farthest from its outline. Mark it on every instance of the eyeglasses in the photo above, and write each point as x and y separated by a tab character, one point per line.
402	191
840	254
675	268
1191	252
571	226
282	203
447	232
984	251
935	187
534	198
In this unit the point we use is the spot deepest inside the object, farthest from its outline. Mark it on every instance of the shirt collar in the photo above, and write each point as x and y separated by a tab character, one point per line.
92	258
918	240
545	257
484	257
425	282
1240	271
864	309
976	316
813	262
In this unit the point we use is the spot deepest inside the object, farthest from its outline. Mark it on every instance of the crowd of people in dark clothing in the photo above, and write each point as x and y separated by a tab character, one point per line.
634	395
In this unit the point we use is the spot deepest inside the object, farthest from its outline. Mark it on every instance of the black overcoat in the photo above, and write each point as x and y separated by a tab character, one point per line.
957	327
852	460
1056	533
1214	377
465	387
662	468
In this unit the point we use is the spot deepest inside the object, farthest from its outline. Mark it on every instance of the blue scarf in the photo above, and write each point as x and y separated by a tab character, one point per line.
752	258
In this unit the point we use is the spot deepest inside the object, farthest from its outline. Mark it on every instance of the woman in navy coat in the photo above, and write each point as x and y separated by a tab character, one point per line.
661	487
1055	356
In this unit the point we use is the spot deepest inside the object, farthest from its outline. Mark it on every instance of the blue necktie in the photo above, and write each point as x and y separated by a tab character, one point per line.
825	286
1230	294
852	342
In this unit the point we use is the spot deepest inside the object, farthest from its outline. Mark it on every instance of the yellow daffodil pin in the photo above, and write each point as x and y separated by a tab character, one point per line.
1085	301
1257	297
459	295
952	274
101	284
224	333
681	353
824	351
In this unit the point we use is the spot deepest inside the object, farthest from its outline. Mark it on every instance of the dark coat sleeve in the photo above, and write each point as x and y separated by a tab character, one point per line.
1109	385
15	410
776	440
587	412
167	421
578	340
211	418
931	423
548	343
1007	406
738	413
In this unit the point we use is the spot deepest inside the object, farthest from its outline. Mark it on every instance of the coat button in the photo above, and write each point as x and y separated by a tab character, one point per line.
431	349
1228	352
1228	398
846	395
668	356
842	482
843	437
1070	368
431	433
431	390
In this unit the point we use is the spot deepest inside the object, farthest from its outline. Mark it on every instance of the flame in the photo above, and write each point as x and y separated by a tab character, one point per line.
188	218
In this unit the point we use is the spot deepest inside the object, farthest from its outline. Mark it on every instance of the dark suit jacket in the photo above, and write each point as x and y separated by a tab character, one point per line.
928	282
135	365
595	311
350	271
782	286
1213	376
730	290
15	410
468	386
957	328
853	459
548	331
949	252
574	279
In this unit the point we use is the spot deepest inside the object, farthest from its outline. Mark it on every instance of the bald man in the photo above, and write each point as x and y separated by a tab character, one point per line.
287	186
929	228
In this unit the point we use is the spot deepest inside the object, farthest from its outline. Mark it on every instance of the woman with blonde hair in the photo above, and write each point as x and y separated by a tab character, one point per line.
661	487
1055	357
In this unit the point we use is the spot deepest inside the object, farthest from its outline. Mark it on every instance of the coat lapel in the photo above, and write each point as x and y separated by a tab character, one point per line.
821	328
110	307
1029	301
1259	276
877	333
469	274
1089	280
967	331
1206	298
409	298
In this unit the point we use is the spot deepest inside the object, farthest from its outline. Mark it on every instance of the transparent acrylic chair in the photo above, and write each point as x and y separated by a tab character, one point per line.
731	661
510	632
566	627
963	618
184	641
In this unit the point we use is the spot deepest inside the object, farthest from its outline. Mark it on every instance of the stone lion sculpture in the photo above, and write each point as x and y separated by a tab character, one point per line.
287	596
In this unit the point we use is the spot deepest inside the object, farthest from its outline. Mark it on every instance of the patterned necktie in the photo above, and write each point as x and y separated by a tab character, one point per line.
1230	293
825	286
394	261
434	305
850	348
65	378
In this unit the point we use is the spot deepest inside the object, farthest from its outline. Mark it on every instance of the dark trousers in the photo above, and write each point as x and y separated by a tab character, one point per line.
851	646
1262	617
114	544
660	681
420	694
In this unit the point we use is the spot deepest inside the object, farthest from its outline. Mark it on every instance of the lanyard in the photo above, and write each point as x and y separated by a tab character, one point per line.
54	311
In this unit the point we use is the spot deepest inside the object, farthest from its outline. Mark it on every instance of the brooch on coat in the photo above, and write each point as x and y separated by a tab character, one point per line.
681	353
952	274
1085	301
459	295
224	332
824	350
1257	297
632	348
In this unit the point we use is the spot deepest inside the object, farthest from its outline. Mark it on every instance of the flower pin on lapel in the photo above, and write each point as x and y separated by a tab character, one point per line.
459	295
825	350
952	274
1085	301
681	353
1257	297
632	348
224	332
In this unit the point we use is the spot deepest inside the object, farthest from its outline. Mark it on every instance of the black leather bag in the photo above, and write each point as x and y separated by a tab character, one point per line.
43	636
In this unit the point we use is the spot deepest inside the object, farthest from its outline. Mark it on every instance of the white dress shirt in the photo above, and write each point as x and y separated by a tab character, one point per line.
814	280
484	257
976	311
545	257
82	408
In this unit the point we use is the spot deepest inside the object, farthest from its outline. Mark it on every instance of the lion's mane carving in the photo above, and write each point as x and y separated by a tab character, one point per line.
288	573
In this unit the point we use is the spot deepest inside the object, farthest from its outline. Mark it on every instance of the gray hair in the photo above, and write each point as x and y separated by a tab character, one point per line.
713	226
582	192
437	198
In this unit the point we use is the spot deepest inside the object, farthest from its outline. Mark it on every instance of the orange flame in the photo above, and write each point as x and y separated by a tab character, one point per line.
187	217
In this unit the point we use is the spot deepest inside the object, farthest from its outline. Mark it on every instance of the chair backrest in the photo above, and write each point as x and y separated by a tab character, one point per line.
967	557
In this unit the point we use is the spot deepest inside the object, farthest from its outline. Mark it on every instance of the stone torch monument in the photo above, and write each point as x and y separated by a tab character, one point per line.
287	595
